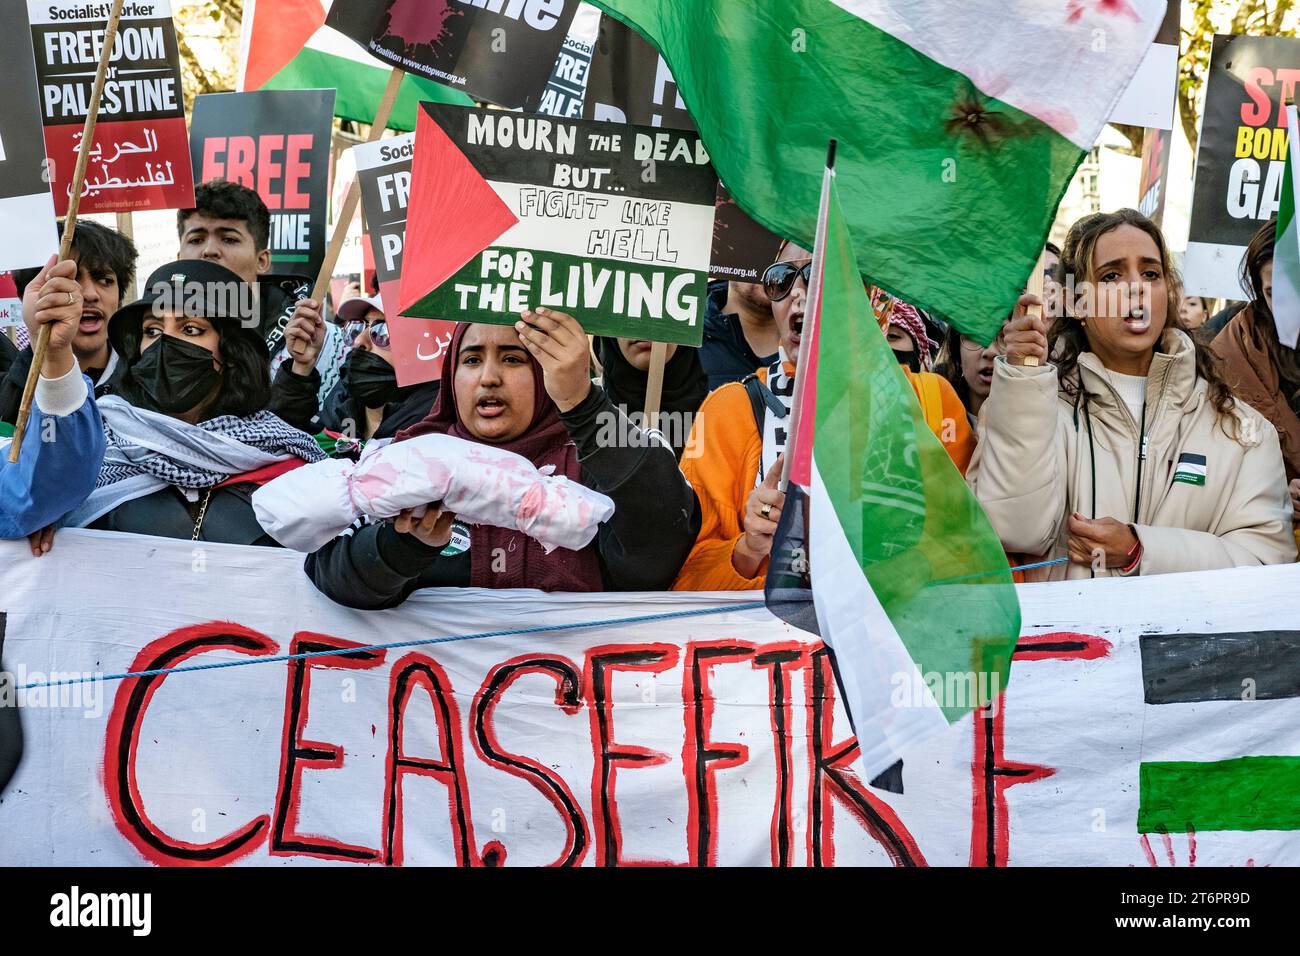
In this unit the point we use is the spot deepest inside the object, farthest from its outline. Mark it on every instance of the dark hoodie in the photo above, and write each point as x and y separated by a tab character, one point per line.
641	547
725	354
295	398
7	352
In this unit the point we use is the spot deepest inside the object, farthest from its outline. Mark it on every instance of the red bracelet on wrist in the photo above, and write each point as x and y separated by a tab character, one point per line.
1133	557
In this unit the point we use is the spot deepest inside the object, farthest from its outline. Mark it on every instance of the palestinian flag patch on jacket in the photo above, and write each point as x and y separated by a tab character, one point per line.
1191	469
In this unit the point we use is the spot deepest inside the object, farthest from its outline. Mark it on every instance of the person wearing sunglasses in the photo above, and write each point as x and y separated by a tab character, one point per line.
741	432
367	402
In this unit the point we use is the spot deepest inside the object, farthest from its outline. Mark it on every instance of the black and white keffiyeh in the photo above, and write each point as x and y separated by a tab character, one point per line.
148	451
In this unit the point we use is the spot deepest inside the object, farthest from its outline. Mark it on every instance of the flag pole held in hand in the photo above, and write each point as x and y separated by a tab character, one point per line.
42	343
1035	288
382	112
806	361
654	386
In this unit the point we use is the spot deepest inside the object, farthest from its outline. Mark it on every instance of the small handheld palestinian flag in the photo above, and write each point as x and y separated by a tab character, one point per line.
1286	251
881	548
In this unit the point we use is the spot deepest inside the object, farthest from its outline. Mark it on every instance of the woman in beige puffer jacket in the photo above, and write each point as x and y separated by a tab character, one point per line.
1127	453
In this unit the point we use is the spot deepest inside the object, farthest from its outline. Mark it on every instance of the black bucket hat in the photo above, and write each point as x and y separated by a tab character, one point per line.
196	288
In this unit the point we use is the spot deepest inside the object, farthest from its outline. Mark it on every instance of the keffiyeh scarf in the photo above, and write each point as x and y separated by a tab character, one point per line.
148	451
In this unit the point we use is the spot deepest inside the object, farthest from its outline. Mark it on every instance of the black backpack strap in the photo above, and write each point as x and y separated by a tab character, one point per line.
761	398
752	384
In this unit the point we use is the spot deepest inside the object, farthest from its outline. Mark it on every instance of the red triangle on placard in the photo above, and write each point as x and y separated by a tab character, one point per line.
453	213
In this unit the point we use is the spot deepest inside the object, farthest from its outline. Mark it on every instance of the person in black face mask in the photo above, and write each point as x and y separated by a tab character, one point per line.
189	437
367	402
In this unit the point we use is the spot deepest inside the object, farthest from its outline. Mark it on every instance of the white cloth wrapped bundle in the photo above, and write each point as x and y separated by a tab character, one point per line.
306	508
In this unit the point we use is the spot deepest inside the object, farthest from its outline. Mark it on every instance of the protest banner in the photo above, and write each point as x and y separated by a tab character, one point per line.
139	156
285	45
276	142
1154	176
499	51
567	87
631	83
1240	157
612	224
1147	722
26	206
94	98
384	175
742	248
1150	98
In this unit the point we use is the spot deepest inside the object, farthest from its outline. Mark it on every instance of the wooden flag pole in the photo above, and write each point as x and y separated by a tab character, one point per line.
353	197
126	226
654	386
1035	288
42	343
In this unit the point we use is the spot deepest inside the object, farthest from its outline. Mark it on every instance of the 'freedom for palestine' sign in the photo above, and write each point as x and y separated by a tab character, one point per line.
140	157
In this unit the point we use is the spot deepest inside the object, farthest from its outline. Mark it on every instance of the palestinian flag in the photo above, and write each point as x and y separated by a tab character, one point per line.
1286	251
1231	780
909	584
285	45
960	124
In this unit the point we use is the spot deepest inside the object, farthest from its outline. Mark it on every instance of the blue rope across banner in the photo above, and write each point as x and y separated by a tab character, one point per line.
539	629
1039	564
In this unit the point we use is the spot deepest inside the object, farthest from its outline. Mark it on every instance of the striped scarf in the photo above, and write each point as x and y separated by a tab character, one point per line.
148	451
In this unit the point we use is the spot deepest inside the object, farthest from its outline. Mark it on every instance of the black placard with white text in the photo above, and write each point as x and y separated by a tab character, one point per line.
501	51
276	142
140	155
1240	157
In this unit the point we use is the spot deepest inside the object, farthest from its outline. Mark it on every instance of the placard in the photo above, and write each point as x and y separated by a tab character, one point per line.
276	142
612	224
1240	157
384	173
26	205
500	51
140	156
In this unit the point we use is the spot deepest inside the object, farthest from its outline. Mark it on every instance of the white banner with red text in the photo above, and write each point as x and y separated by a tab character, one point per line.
1147	722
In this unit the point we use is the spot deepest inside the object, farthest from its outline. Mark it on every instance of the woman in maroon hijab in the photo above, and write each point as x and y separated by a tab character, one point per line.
526	389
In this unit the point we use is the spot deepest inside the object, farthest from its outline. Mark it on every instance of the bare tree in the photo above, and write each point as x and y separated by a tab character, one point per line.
207	36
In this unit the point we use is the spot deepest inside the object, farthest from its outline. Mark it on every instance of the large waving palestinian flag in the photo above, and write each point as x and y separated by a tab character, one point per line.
909	583
960	122
285	45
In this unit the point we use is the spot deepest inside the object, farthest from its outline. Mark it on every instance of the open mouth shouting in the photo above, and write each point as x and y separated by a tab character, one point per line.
1137	321
92	320
796	334
490	406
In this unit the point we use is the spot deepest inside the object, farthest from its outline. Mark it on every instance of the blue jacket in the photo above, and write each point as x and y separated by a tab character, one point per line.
60	461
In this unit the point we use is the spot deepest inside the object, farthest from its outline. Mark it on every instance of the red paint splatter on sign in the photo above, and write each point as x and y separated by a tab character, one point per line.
420	22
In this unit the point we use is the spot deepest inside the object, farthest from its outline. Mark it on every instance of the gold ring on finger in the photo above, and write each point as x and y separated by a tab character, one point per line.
765	511
72	299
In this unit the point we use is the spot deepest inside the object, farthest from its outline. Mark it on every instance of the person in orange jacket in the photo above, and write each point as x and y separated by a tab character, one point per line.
733	460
